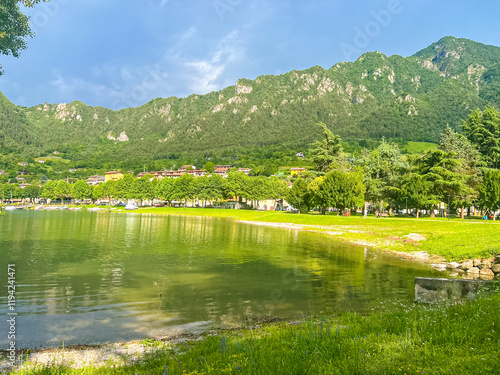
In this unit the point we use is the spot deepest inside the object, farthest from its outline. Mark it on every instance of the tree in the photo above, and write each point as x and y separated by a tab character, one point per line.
164	189
31	191
489	190
483	130
416	189
443	171
62	189
49	190
470	161
142	189
298	196
81	190
328	153
15	27
341	189
209	167
183	188
383	167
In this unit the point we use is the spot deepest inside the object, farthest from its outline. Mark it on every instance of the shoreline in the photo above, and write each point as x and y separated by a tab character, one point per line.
419	256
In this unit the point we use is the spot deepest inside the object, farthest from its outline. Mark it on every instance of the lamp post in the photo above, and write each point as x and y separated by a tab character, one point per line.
448	206
406	214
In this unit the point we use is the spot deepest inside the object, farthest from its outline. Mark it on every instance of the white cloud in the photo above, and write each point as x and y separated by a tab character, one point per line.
211	73
188	67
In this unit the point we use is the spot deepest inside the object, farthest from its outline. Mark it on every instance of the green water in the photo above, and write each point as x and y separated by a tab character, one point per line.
98	277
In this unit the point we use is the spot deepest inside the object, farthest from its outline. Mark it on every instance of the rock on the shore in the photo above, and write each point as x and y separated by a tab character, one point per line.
473	270
487	272
466	264
497	259
439	266
485	264
496	268
452	265
477	262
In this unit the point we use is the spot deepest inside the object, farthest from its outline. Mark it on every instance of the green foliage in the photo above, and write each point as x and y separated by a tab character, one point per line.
15	26
489	190
327	153
81	190
341	190
299	196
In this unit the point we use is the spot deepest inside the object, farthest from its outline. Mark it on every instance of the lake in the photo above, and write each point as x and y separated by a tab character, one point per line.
87	278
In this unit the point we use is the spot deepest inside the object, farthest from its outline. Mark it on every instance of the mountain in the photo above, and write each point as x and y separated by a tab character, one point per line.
376	96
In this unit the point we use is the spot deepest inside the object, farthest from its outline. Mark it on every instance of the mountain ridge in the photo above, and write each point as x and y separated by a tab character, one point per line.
407	98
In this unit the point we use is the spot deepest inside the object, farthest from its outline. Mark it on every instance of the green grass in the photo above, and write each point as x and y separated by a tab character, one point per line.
418	147
453	239
457	339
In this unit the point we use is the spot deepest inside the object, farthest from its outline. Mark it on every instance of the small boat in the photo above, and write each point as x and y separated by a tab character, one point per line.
51	208
63	208
10	208
94	209
39	208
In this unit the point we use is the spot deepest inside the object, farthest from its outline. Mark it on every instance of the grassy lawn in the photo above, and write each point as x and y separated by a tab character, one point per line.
458	339
453	239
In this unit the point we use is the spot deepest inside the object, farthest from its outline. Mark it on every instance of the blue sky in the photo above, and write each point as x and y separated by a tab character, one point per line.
122	53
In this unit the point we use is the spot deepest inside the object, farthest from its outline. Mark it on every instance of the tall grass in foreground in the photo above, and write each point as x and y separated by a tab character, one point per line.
457	339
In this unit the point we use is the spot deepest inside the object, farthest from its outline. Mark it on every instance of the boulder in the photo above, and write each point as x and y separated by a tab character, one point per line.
476	262
473	270
497	259
496	268
452	265
466	264
485	264
487	272
486	277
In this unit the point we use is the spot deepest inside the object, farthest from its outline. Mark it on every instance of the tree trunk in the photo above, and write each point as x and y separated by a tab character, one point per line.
432	211
418	212
462	213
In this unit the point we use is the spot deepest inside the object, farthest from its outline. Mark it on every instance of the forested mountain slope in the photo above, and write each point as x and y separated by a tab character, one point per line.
376	96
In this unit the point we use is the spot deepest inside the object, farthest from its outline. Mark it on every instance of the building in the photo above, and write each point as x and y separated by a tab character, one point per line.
23	186
56	153
158	175
222	170
22	172
245	170
72	170
41	161
113	176
96	180
173	174
184	168
23	163
296	171
20	179
299	155
197	172
2	173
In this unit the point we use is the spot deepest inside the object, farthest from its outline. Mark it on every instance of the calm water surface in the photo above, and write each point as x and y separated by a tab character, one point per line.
96	277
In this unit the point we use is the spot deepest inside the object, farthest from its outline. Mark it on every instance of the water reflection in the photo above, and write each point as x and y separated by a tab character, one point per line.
94	277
